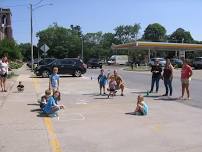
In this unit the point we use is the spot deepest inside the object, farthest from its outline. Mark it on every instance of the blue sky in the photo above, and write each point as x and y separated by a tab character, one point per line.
105	15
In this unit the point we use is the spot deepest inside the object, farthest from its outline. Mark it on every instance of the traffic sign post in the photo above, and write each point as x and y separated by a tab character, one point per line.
45	49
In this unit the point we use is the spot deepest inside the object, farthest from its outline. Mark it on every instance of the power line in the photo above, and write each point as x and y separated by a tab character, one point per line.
38	2
19	5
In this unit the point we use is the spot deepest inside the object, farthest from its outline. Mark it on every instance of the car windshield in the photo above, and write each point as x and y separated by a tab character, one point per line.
198	59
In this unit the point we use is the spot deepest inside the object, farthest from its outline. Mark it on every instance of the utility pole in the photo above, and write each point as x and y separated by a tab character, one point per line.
82	48
31	30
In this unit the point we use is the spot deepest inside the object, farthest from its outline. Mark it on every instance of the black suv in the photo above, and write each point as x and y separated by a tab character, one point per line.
94	63
72	66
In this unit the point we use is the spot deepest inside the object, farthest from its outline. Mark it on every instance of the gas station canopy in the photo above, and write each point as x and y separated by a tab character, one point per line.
158	46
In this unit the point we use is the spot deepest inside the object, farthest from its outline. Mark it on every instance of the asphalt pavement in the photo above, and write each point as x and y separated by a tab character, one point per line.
94	123
141	81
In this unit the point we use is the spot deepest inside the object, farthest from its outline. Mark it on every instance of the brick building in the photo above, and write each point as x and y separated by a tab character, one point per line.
5	24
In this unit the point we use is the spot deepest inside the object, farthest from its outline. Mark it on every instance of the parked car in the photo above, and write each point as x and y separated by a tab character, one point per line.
46	61
40	61
71	66
197	63
29	63
94	63
176	62
162	61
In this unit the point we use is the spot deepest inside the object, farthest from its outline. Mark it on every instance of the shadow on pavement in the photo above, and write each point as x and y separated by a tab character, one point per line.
130	113
139	92
167	99
106	97
40	114
35	110
91	94
33	104
152	96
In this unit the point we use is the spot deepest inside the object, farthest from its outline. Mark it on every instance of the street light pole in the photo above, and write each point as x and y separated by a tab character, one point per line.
31	22
31	30
82	48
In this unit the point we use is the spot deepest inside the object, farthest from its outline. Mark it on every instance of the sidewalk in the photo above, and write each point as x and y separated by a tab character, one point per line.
20	129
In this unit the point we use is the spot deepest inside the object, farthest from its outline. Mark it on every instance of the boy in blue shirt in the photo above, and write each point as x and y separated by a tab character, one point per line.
51	106
102	80
54	80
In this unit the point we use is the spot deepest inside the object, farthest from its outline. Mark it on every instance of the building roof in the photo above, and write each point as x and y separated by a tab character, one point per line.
158	46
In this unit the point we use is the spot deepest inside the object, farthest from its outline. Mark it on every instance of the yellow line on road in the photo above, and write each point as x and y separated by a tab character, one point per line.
53	138
54	142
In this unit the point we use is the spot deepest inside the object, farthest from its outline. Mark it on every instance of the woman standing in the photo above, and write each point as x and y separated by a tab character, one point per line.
3	73
168	77
186	74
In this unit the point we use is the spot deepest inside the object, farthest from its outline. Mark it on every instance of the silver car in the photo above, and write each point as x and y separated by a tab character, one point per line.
197	63
162	61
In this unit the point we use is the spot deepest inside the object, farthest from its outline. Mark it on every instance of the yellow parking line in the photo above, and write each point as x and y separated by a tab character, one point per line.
53	138
54	142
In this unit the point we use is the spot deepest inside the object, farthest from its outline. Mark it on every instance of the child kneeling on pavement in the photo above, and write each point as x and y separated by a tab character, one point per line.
141	107
51	107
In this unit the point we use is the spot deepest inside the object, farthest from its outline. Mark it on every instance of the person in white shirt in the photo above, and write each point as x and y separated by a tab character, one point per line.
3	73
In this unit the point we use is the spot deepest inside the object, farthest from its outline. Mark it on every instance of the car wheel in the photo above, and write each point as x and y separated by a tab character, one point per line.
45	74
77	73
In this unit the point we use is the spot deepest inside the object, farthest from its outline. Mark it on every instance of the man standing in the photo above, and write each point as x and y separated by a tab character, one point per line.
186	74
156	75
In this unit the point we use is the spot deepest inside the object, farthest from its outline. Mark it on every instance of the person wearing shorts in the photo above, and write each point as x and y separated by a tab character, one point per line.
119	82
186	74
54	80
3	73
102	80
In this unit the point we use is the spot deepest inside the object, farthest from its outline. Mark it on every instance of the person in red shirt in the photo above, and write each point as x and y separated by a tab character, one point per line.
186	74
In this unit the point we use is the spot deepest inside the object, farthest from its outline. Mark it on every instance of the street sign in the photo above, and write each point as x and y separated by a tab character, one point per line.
44	48
44	54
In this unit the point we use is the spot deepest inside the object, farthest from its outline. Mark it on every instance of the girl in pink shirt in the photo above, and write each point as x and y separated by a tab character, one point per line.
186	74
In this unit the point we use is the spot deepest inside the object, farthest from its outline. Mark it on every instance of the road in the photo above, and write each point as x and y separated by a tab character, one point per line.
93	123
141	82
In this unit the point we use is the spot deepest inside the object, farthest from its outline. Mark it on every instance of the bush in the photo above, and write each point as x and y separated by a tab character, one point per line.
15	65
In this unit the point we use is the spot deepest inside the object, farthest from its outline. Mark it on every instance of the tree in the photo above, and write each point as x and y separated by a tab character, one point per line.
25	49
181	36
63	42
154	32
11	48
127	33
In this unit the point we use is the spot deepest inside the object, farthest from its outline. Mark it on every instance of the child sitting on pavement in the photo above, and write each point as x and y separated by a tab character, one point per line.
102	80
112	87
52	106
141	107
20	87
44	99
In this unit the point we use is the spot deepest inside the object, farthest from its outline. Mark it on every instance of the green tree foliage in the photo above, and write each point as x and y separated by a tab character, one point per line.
154	32
127	33
11	48
63	42
181	36
25	49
